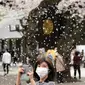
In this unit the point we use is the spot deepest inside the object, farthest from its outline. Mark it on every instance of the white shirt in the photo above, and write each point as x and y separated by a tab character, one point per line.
6	58
72	55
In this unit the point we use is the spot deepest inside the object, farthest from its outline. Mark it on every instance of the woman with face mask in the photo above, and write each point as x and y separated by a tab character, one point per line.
43	73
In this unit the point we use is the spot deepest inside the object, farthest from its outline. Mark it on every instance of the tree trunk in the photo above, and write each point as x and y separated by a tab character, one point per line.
65	38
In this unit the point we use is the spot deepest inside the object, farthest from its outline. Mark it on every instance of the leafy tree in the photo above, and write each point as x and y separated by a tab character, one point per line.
67	33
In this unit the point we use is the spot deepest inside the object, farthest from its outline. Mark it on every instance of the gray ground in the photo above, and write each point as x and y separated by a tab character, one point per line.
11	79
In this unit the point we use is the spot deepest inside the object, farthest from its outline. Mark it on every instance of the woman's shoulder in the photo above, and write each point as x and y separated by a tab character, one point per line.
51	83
44	83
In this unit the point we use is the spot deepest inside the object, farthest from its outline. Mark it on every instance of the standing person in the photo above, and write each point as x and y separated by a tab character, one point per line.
83	57
76	63
43	73
60	67
41	54
50	57
6	60
15	60
72	56
82	53
27	60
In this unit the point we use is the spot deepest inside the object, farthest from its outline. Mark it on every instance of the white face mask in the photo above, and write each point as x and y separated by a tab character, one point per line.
42	72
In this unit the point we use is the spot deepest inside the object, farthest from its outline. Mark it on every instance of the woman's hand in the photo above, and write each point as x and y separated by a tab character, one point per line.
20	71
30	74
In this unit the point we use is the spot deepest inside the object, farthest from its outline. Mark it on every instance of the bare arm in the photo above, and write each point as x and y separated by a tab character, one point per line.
18	79
32	81
21	70
19	76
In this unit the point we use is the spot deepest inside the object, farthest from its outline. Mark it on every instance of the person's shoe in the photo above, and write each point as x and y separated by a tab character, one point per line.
5	73
79	77
4	70
75	78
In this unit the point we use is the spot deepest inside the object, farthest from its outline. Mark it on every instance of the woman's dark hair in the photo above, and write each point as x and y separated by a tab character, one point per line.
77	53
51	69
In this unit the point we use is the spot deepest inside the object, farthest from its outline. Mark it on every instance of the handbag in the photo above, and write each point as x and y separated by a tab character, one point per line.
65	66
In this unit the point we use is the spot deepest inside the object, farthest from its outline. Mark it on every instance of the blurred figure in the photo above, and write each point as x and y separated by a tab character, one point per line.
83	57
50	57
72	56
15	60
0	55
12	53
82	53
6	60
51	54
76	63
27	61
60	67
55	49
41	54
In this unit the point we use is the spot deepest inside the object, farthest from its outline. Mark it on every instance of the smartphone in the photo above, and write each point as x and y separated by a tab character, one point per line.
24	76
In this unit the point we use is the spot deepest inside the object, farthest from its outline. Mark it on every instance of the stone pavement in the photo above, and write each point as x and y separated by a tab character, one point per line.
12	70
10	79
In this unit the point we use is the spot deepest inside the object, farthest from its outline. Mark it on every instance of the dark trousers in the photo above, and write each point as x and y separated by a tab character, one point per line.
6	67
59	77
77	68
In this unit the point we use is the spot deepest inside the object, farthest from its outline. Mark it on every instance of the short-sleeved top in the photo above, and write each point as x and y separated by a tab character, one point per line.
44	83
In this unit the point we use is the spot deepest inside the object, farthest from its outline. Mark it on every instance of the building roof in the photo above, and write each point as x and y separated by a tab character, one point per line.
5	31
12	18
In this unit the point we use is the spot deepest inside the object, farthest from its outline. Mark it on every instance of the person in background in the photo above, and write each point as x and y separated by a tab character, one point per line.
83	57
55	49
50	57
76	63
15	60
43	73
0	55
82	53
41	54
27	60
60	67
72	56
6	61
